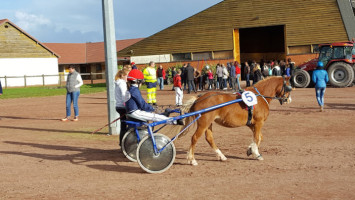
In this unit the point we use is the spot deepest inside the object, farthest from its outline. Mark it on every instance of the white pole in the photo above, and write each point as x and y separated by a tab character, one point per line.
111	62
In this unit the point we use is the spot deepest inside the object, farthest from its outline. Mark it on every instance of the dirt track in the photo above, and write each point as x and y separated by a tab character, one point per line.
308	154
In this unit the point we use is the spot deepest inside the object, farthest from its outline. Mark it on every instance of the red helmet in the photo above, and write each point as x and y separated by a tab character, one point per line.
135	75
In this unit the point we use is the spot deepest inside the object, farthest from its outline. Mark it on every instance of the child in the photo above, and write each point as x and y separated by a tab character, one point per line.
177	87
136	107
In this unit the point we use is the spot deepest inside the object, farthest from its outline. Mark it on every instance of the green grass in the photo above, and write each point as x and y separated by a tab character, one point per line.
45	91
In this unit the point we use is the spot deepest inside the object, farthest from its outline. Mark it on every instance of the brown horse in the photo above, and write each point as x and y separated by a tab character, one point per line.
236	115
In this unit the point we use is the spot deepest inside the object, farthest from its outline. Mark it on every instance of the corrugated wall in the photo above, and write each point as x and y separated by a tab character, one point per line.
307	22
15	44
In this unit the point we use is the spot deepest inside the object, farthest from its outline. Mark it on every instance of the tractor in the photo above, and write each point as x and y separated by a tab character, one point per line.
339	61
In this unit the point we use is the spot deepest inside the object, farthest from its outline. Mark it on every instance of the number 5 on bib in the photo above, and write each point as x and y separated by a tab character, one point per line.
249	98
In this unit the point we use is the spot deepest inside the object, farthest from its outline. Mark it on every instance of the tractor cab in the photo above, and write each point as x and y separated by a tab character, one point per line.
336	52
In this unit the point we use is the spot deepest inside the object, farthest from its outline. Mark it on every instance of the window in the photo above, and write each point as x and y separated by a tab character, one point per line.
202	56
181	56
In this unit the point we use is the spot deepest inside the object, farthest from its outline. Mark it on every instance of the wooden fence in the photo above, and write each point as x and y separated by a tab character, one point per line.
61	78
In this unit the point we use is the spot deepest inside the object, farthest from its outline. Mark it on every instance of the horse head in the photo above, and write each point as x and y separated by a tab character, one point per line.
284	92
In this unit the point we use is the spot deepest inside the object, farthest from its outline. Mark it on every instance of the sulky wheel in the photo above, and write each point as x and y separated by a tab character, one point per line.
152	163
129	143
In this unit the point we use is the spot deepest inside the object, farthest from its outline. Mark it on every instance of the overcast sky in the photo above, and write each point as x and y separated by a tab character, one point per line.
78	21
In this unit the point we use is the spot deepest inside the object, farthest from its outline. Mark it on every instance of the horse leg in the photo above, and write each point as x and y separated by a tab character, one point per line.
253	147
190	155
210	140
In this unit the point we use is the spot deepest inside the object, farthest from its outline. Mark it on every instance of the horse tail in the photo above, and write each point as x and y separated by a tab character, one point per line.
187	107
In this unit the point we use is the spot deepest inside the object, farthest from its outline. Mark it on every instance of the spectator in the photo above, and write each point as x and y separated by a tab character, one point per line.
219	73
210	77
161	77
265	70
291	65
74	81
179	94
252	65
150	79
173	73
257	74
136	107
190	78
238	74
276	71
283	67
225	77
197	76
320	78
121	96
232	77
247	74
184	75
133	64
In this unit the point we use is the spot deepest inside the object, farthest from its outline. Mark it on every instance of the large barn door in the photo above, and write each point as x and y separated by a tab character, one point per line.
236	51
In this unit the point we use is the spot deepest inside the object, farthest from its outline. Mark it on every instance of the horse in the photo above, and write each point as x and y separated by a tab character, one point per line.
236	114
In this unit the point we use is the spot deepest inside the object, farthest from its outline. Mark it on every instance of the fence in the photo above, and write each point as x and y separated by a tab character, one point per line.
61	78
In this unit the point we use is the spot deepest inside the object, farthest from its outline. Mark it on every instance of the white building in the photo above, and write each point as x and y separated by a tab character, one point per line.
22	56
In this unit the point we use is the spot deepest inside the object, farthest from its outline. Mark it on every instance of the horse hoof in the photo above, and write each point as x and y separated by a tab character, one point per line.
192	162
260	157
249	152
222	158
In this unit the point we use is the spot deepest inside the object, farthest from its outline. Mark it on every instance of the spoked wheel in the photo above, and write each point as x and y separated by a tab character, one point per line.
149	161
130	143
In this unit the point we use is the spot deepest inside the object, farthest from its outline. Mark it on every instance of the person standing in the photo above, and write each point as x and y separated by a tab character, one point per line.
184	75
238	74
232	76
173	73
257	74
247	74
121	96
210	78
320	78
178	88
150	78
161	77
291	65
190	71
225	77
74	81
219	73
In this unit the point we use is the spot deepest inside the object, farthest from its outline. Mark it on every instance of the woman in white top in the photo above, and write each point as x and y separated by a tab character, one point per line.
121	96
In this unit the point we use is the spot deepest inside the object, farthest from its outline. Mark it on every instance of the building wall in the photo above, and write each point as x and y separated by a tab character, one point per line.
16	44
306	23
28	67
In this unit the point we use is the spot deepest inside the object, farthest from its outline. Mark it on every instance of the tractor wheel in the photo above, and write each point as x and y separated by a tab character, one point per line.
301	78
340	74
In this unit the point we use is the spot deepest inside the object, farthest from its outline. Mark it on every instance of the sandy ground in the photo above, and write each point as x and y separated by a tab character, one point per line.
308	154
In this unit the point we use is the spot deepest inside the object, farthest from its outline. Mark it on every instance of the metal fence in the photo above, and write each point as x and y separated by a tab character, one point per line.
61	78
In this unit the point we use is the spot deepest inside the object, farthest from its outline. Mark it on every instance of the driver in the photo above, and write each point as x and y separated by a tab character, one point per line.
136	107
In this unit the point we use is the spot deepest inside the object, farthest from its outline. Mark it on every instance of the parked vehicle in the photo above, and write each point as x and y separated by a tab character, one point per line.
338	59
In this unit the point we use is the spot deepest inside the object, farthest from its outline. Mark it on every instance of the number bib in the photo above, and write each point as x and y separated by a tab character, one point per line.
249	98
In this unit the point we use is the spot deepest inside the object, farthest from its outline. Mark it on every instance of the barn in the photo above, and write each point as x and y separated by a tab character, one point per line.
245	30
23	59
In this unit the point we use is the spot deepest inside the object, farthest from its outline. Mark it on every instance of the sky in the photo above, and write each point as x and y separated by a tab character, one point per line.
80	21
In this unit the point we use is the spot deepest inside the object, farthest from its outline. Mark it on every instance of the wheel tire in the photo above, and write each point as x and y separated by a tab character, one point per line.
152	163
129	143
301	78
340	74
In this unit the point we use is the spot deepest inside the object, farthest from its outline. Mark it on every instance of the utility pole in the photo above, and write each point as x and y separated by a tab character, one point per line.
111	62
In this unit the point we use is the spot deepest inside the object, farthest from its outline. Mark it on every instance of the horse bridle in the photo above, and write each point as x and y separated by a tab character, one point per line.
281	96
285	89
